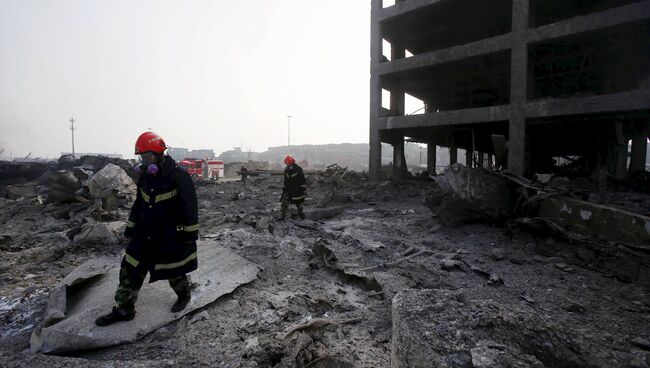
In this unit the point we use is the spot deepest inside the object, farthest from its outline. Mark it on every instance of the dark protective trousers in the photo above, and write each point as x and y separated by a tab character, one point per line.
284	207
131	282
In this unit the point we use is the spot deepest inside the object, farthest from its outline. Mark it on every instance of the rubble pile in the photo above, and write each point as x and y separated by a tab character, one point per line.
64	186
372	278
465	195
69	180
12	173
113	186
604	235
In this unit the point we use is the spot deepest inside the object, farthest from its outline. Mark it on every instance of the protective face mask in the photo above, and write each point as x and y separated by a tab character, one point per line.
147	165
151	169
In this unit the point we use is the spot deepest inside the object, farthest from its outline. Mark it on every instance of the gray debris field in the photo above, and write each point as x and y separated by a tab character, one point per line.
370	279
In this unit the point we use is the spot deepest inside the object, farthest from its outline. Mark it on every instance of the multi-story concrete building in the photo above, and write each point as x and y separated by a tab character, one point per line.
529	80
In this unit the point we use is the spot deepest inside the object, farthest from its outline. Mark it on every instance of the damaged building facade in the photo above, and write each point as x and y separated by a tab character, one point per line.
518	84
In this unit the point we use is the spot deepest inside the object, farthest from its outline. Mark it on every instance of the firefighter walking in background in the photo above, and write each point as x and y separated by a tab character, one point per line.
294	189
244	173
163	229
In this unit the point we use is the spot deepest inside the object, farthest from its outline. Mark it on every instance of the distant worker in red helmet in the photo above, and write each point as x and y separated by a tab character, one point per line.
163	229
294	189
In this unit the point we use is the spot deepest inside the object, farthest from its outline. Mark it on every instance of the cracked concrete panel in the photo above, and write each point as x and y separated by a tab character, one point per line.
463	194
443	328
598	220
87	293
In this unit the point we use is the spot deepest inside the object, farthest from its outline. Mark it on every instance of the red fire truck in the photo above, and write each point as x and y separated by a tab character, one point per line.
203	168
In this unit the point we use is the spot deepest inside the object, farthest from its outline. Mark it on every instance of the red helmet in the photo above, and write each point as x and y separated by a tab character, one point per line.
149	142
289	160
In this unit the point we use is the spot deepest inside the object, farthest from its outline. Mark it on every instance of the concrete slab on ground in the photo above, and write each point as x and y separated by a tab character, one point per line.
87	292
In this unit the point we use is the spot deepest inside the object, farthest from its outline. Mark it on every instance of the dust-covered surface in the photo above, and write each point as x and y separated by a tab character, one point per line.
75	304
324	297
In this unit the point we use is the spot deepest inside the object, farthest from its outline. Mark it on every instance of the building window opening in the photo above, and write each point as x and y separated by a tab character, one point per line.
413	105
385	99
386	50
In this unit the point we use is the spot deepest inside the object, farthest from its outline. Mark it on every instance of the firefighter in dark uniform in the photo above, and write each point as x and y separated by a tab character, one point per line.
163	228
244	173
294	189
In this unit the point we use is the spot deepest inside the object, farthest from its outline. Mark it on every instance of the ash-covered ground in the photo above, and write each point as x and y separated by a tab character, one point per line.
475	295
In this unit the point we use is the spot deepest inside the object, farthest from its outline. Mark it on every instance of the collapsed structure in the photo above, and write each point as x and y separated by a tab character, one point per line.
517	83
371	278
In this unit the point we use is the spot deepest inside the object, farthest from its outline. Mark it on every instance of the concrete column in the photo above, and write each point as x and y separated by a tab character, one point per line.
602	184
431	158
639	152
397	51
397	96
453	150
518	88
469	157
453	155
374	164
620	167
481	159
397	102
399	160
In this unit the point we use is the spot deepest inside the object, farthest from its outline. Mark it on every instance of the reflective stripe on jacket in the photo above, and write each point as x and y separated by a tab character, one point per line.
294	183
163	223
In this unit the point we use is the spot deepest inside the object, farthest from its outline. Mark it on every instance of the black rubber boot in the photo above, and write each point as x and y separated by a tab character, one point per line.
181	303
116	315
301	215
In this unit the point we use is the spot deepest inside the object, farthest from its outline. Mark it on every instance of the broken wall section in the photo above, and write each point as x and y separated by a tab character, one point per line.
463	195
617	239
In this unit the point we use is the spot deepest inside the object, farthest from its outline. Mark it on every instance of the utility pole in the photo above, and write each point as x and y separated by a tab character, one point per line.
289	130
72	129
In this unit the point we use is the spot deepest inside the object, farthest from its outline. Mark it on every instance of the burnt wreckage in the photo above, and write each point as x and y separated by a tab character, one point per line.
549	103
532	86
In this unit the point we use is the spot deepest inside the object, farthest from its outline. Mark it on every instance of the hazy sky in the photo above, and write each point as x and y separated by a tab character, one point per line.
201	73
